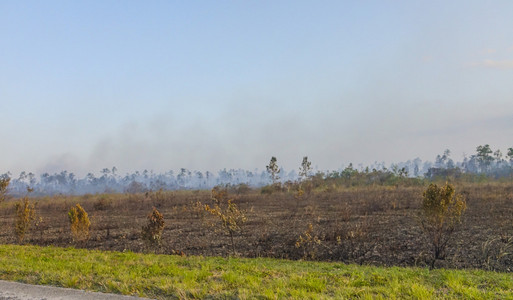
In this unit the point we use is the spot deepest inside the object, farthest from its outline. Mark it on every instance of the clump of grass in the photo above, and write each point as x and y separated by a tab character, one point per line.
496	252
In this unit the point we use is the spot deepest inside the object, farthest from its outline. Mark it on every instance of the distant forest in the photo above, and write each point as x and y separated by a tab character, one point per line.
484	164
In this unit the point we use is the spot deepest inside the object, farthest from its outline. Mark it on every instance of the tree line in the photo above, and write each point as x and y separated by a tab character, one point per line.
484	163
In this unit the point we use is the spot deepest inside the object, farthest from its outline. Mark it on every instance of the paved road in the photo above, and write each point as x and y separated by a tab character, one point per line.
21	291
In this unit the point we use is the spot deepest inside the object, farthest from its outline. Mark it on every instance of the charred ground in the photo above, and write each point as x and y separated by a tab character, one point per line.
367	225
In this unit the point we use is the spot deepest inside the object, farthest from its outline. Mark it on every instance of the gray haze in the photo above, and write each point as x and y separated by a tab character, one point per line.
170	85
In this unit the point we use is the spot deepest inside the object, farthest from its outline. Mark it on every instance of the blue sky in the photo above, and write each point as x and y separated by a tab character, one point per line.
227	84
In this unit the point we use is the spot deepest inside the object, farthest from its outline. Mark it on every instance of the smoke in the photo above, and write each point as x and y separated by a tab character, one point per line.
110	180
57	163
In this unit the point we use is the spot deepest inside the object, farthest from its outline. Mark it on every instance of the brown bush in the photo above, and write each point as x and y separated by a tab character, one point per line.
103	203
152	231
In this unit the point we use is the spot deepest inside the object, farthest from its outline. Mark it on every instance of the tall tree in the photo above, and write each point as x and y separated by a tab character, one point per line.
498	156
273	170
484	157
4	183
510	154
305	169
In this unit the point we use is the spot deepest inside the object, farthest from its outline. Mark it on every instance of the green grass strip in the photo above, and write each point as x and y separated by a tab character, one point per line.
170	277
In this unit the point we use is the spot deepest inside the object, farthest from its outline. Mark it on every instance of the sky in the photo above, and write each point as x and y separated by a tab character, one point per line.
207	85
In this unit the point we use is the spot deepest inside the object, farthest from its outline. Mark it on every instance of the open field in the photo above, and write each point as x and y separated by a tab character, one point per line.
364	225
165	276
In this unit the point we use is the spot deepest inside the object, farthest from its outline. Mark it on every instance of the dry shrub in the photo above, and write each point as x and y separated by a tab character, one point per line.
307	186
240	189
80	224
197	209
135	187
372	206
103	203
359	230
310	242
157	198
152	231
271	189
345	213
347	235
230	216
340	240
40	226
87	196
299	194
311	211
25	216
440	214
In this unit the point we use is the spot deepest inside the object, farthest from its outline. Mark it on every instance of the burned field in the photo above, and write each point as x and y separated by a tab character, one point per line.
367	225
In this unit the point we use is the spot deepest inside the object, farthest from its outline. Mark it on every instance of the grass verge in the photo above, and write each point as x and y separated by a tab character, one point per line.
169	277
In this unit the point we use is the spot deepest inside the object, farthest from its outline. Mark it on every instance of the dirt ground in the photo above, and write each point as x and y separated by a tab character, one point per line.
366	225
